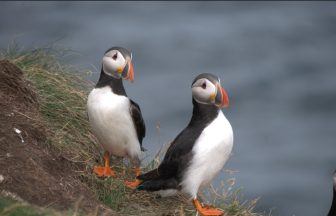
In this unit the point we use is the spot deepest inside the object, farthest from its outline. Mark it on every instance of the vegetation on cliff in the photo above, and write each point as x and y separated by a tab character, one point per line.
60	143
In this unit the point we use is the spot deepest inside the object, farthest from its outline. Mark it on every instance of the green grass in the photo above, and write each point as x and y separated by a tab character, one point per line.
11	207
112	196
62	91
110	191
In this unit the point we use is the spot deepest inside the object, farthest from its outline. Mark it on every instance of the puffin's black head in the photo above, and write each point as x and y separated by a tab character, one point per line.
206	89
117	62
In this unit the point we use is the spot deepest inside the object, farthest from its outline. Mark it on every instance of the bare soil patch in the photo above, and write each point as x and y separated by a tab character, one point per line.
31	169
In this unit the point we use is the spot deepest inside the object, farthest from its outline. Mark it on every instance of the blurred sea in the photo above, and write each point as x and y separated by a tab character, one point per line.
277	61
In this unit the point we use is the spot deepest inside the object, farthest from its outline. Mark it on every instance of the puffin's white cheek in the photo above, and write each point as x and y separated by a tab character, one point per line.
211	88
109	65
200	95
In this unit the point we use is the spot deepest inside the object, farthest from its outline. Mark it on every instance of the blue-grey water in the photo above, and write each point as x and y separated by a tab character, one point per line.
277	61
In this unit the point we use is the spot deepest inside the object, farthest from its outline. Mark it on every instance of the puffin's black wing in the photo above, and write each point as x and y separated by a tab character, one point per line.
176	159
178	154
138	122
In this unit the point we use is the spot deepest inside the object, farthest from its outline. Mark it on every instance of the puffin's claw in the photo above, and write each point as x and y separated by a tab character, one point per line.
132	184
207	210
103	171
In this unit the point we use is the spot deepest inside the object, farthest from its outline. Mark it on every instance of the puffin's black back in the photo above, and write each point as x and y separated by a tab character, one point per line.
169	173
332	211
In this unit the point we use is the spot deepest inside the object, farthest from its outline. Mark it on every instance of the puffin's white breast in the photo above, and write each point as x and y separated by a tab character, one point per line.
112	123
210	152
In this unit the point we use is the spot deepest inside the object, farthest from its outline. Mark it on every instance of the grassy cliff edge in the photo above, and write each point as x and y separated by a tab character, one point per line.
62	93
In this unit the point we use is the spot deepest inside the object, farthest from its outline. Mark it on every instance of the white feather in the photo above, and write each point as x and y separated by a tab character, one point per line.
210	152
112	123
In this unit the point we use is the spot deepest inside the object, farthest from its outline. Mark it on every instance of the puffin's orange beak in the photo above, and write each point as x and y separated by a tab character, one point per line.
222	99
130	72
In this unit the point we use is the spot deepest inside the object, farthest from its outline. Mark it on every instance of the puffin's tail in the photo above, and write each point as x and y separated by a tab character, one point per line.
149	175
158	184
152	181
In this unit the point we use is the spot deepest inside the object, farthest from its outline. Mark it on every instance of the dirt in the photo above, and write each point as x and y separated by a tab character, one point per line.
31	170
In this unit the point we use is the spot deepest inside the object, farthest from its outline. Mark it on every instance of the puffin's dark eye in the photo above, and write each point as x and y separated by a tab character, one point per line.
204	85
115	56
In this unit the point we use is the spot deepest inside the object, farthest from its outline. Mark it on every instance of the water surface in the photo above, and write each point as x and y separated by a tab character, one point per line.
277	61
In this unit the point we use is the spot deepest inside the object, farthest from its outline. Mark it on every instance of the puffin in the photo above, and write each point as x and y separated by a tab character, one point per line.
332	211
115	119
199	151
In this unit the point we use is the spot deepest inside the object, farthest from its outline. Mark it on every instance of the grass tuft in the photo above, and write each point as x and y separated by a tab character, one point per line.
62	95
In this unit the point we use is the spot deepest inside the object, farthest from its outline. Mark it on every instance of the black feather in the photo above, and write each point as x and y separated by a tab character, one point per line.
115	83
159	184
125	52
138	122
153	174
332	211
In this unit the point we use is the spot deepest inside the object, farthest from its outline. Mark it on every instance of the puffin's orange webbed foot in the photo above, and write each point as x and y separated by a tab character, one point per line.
207	210
134	184
103	171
